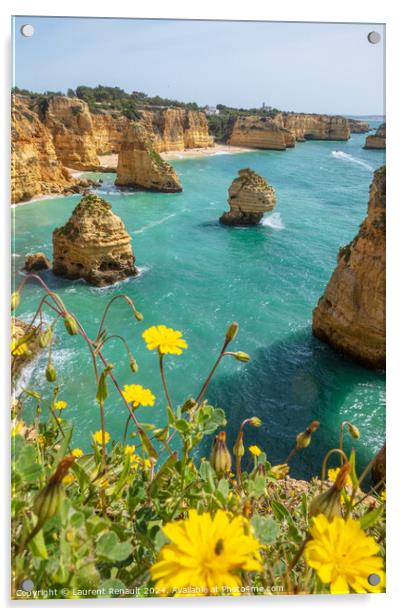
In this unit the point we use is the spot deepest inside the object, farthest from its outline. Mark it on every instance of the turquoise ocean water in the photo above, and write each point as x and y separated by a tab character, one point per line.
198	276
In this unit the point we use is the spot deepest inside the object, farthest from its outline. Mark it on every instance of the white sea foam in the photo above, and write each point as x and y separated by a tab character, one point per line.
274	221
351	159
156	223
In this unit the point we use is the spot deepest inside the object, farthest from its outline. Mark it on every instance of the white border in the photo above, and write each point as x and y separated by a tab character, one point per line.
388	12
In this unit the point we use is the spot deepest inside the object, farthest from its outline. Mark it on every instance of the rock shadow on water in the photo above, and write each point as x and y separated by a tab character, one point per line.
288	385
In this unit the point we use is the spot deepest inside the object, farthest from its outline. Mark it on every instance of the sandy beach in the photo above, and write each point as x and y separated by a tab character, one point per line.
110	160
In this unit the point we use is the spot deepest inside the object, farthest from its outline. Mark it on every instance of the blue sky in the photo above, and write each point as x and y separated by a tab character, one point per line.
324	68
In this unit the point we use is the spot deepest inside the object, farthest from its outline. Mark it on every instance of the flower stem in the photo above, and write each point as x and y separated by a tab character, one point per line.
210	375
162	371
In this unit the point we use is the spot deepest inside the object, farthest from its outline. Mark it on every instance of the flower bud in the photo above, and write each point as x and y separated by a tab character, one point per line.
15	300
240	356
133	364
50	373
231	331
71	325
221	460
238	448
353	431
138	315
328	503
48	501
102	392
188	405
280	471
255	421
303	439
45	338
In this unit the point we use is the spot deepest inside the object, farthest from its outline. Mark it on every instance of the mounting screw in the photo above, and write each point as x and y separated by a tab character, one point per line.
27	30
374	37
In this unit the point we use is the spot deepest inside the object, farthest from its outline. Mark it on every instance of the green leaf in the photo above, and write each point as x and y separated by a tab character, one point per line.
223	488
182	425
280	511
61	452
147	443
352	472
207	474
110	549
123	478
370	518
38	547
111	588
266	528
210	419
88	577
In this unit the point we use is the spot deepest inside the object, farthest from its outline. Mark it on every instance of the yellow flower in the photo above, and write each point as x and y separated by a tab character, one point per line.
68	479
60	405
343	556
98	437
40	439
77	453
17	427
165	339
333	474
206	553
383	496
138	396
256	451
129	450
17	348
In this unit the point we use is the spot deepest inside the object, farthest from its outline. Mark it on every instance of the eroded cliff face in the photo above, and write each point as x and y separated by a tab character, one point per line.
139	165
250	196
284	129
70	123
35	166
376	141
350	316
177	129
53	133
93	245
358	126
257	132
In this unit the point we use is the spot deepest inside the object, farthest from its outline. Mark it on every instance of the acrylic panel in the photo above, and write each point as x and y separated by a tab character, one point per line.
198	308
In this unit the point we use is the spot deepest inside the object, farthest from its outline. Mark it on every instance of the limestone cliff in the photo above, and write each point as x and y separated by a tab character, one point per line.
350	316
257	132
358	126
93	245
139	165
282	130
250	196
35	167
177	129
376	141
70	122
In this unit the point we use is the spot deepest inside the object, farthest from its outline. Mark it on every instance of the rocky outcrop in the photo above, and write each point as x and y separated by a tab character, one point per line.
93	245
282	130
350	316
35	166
358	126
250	196
379	471
37	262
70	122
177	129
257	132
314	126
139	165
376	141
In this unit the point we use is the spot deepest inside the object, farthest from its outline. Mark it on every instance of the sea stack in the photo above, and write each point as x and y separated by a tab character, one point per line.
93	245
350	316
140	166
250	196
376	141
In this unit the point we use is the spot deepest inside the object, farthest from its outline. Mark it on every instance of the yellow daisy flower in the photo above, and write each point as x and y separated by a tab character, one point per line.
138	396
18	349
255	450
165	339
77	453
205	552
343	555
333	474
98	437
60	405
129	450
68	479
383	496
